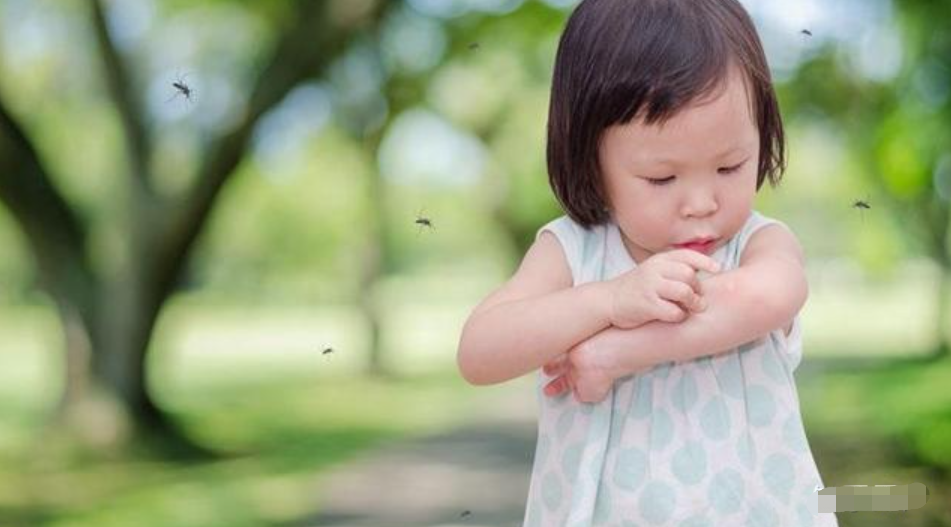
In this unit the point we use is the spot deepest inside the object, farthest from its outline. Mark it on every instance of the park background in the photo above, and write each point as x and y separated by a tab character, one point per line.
210	304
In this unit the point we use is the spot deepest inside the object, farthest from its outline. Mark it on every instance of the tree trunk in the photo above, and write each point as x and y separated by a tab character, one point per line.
78	348
937	224
944	305
368	302
375	257
119	366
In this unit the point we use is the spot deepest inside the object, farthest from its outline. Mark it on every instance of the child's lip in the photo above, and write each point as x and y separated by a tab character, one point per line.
703	245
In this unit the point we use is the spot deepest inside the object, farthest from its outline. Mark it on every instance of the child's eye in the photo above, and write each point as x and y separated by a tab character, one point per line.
660	181
730	170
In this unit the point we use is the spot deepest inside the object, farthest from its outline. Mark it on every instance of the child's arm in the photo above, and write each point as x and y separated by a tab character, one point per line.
764	293
534	317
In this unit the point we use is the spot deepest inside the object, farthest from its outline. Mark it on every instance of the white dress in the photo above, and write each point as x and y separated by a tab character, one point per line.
715	441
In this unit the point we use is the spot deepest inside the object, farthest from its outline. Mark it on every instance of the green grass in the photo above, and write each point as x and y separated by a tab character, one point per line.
283	436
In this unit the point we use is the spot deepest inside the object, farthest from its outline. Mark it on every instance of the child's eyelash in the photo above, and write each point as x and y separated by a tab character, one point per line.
668	179
660	181
732	169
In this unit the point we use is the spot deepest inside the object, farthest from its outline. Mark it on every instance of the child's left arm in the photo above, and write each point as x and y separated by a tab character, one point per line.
764	293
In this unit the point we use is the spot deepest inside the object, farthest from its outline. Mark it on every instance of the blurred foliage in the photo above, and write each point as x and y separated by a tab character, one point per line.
490	80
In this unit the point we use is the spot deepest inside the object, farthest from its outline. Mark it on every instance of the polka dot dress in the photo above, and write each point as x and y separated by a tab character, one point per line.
709	442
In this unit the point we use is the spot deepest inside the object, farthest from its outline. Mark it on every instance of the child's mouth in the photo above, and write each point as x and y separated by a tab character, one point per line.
701	246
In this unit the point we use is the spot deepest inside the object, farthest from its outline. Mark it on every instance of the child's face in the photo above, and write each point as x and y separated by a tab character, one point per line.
704	162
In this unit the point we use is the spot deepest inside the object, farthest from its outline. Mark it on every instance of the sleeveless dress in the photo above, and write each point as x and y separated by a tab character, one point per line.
714	441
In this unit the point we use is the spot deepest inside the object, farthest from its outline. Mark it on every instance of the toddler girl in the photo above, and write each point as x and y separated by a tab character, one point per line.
661	311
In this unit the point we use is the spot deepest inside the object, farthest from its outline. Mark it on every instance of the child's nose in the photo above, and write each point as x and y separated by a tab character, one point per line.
699	203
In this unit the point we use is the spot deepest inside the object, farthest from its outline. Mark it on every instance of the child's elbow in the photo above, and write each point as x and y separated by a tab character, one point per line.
472	371
784	299
467	370
467	360
795	294
464	363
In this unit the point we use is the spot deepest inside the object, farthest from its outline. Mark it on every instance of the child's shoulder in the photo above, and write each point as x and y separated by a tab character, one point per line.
578	243
572	235
754	228
765	235
569	235
757	219
563	226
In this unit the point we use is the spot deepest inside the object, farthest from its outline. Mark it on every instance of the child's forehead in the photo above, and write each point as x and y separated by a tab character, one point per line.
726	110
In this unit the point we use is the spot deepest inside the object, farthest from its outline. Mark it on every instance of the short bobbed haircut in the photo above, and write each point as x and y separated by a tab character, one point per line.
624	59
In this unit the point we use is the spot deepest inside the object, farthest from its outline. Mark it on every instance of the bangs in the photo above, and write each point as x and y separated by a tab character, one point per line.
663	73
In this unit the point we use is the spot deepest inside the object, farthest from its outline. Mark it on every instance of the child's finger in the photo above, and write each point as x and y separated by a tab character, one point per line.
557	386
700	304
668	311
698	261
678	292
694	303
556	367
686	296
695	283
682	272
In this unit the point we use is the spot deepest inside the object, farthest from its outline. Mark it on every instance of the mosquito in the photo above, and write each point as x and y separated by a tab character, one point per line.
862	206
423	221
182	88
806	35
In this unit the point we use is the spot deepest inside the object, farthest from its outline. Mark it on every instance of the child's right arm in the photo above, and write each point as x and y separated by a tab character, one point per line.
532	318
538	314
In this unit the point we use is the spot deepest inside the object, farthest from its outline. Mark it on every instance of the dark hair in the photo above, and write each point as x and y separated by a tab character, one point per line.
617	58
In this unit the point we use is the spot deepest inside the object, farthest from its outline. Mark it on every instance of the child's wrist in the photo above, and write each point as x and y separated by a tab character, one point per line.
610	358
600	297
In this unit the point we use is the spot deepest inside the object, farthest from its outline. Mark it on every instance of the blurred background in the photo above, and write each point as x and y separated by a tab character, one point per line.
238	242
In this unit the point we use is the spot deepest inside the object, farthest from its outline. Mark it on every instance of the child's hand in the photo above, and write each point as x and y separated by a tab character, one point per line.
588	369
664	287
587	385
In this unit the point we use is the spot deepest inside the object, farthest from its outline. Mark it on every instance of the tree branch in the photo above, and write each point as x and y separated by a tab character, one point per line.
54	231
306	50
120	87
